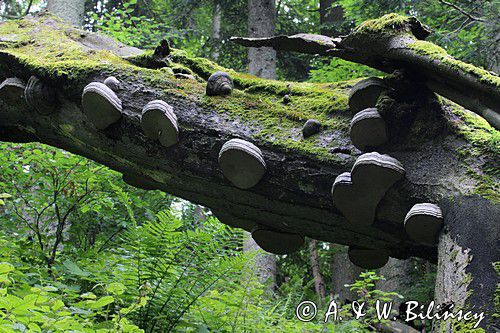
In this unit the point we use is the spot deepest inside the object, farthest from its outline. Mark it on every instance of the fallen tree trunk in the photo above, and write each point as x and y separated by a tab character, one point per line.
447	152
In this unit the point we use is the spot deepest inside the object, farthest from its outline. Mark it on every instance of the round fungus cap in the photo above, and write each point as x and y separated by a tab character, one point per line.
368	130
219	84
101	105
159	122
113	83
242	163
368	258
358	193
12	90
277	242
423	223
311	127
233	221
365	94
40	96
140	182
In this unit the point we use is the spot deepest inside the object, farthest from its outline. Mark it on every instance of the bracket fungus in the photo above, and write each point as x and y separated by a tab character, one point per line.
365	94
12	90
368	129
113	83
358	193
311	127
242	163
159	122
101	105
277	242
40	96
368	258
423	223
219	84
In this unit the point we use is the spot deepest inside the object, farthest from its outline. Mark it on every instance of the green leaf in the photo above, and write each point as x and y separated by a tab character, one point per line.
115	288
5	268
74	269
102	302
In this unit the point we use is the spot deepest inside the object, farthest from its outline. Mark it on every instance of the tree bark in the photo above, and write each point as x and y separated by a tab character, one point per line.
440	151
216	25
71	11
261	23
330	16
319	282
344	272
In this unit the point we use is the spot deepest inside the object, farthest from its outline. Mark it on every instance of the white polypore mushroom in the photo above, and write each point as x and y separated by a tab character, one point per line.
358	193
277	242
101	105
423	223
368	258
40	96
368	129
159	122
365	94
12	90
219	84
242	163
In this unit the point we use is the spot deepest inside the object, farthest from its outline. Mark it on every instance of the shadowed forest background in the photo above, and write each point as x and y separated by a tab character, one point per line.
82	251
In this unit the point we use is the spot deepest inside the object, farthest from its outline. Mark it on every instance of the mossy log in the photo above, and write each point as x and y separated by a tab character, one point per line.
446	150
397	42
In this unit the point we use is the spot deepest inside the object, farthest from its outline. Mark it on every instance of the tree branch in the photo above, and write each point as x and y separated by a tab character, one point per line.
468	15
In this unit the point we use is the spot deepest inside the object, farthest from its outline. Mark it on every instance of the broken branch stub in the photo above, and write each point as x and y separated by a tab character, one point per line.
12	90
368	258
40	96
277	242
101	105
424	222
358	193
242	163
368	130
159	122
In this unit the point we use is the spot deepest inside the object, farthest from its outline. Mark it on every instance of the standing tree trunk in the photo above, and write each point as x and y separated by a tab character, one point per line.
319	282
71	11
216	25
262	23
343	272
330	16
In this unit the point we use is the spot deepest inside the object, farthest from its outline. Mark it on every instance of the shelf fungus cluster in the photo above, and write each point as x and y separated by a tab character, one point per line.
101	105
368	128
219	84
357	195
159	122
277	242
242	163
423	223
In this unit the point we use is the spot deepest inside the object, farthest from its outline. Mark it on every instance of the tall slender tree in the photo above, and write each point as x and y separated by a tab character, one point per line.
71	11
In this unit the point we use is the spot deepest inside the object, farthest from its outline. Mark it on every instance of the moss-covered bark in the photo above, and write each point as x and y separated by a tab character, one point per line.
447	151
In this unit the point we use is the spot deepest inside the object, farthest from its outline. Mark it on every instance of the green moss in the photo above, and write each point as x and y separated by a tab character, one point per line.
484	145
388	24
435	52
496	297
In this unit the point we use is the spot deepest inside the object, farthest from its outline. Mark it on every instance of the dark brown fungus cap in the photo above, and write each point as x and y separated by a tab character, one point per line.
159	122
368	129
357	194
277	242
424	222
40	96
140	182
365	94
368	258
242	163
12	90
219	84
101	105
311	127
